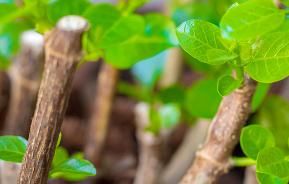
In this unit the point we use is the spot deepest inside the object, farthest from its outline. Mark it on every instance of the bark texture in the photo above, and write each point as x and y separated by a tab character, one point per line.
212	160
25	75
62	54
150	158
98	123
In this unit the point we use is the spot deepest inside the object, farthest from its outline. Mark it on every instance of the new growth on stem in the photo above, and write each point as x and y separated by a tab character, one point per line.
62	54
212	160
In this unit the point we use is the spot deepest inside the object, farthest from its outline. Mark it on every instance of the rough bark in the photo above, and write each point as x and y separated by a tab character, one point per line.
212	160
182	159
25	75
98	123
150	158
62	54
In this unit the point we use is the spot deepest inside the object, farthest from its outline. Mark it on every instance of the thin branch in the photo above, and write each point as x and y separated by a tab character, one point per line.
25	74
98	123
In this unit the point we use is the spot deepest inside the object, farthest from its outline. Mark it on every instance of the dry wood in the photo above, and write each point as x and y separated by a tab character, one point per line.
62	54
25	74
213	158
99	121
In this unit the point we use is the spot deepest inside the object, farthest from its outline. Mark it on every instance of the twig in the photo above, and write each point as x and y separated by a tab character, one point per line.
213	159
25	74
98	123
250	175
63	53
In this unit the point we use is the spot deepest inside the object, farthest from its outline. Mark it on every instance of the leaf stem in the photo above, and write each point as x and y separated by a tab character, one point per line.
243	161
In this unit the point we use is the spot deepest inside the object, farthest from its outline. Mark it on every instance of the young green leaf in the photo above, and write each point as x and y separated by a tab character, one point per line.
172	94
148	71
60	156
12	148
133	50
170	115
250	19
121	30
202	40
202	99
273	114
59	8
73	170
270	179
272	161
254	138
269	62
259	96
227	84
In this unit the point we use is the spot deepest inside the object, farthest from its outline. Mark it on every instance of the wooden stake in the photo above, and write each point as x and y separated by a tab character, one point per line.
213	159
25	74
63	53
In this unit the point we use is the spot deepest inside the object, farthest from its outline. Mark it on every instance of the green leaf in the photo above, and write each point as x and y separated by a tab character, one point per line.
10	41
7	8
273	114
60	156
270	179
172	94
61	8
160	25
122	29
136	49
12	148
202	40
227	84
254	138
269	61
147	72
155	38
272	161
170	115
73	170
202	99
259	96
250	19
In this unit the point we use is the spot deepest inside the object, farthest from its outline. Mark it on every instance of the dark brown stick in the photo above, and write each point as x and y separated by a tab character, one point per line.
63	53
213	159
98	123
25	74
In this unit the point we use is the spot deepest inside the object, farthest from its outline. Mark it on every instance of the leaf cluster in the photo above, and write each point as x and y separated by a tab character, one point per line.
73	168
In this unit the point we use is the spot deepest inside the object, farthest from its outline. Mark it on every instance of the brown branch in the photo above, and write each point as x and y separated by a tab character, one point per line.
212	160
98	123
150	158
63	53
25	74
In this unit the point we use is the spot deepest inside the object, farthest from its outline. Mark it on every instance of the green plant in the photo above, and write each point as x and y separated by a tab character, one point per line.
251	49
73	168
